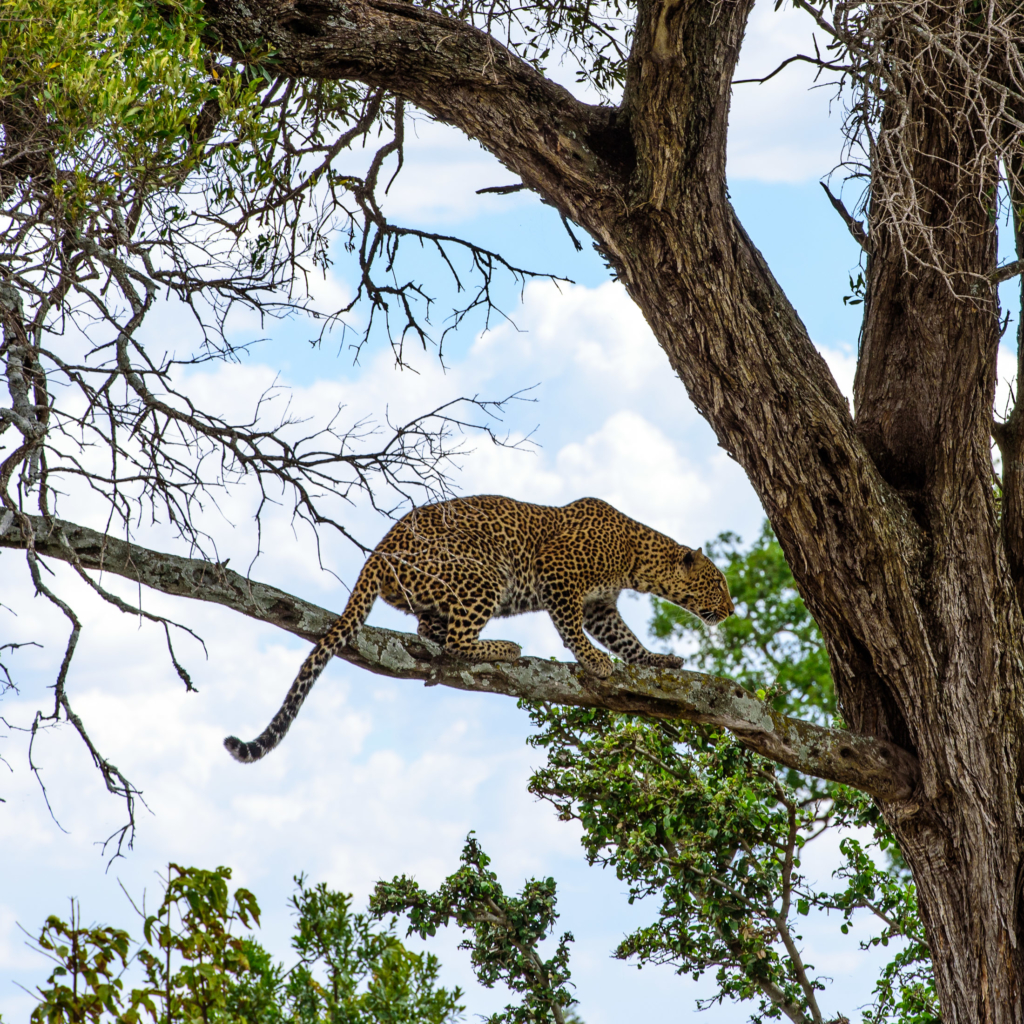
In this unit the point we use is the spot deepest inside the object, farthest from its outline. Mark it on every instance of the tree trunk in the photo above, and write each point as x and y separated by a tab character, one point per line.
888	519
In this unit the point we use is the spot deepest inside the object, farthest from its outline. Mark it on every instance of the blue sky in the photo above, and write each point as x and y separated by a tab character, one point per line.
380	777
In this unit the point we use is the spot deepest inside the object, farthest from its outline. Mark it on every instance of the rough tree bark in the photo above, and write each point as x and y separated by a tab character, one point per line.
888	518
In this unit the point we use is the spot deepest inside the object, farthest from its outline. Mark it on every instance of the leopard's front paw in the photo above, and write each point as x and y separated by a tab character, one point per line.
664	661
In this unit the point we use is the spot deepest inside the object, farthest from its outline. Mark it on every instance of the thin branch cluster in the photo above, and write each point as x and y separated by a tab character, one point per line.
148	194
592	37
917	70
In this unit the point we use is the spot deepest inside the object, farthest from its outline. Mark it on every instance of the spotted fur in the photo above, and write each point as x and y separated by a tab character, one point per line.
457	564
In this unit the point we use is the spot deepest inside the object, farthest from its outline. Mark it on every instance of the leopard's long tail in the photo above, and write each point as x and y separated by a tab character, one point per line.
341	632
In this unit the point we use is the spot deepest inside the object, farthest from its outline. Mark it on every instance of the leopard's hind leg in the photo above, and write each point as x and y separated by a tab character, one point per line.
433	626
338	636
467	616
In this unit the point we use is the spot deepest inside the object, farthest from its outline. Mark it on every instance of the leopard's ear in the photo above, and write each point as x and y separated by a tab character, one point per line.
690	557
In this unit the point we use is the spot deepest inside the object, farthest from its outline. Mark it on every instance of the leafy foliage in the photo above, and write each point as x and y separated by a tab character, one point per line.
347	971
504	932
905	990
188	958
196	968
120	98
194	925
704	825
85	984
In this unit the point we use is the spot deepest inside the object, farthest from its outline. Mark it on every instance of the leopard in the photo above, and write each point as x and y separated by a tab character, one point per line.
459	563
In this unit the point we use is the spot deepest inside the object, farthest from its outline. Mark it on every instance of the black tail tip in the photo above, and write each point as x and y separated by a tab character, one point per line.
244	752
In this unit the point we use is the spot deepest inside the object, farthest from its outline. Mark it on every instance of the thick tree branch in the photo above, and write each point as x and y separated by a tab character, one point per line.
572	153
880	768
1006	271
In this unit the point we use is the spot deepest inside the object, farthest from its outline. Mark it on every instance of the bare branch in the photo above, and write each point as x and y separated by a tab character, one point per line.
821	65
501	190
114	779
880	768
855	227
905	69
1006	271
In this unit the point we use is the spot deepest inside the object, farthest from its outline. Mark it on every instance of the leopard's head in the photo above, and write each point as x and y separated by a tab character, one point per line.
695	583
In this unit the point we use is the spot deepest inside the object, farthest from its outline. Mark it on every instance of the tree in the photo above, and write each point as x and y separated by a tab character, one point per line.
503	933
348	970
199	962
906	559
197	967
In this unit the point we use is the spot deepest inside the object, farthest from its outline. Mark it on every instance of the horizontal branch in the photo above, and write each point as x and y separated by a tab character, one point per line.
880	768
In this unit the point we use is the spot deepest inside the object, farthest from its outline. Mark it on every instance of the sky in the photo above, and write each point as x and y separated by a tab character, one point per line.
380	777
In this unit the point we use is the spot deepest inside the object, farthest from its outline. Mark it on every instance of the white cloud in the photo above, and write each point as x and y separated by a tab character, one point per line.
786	129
